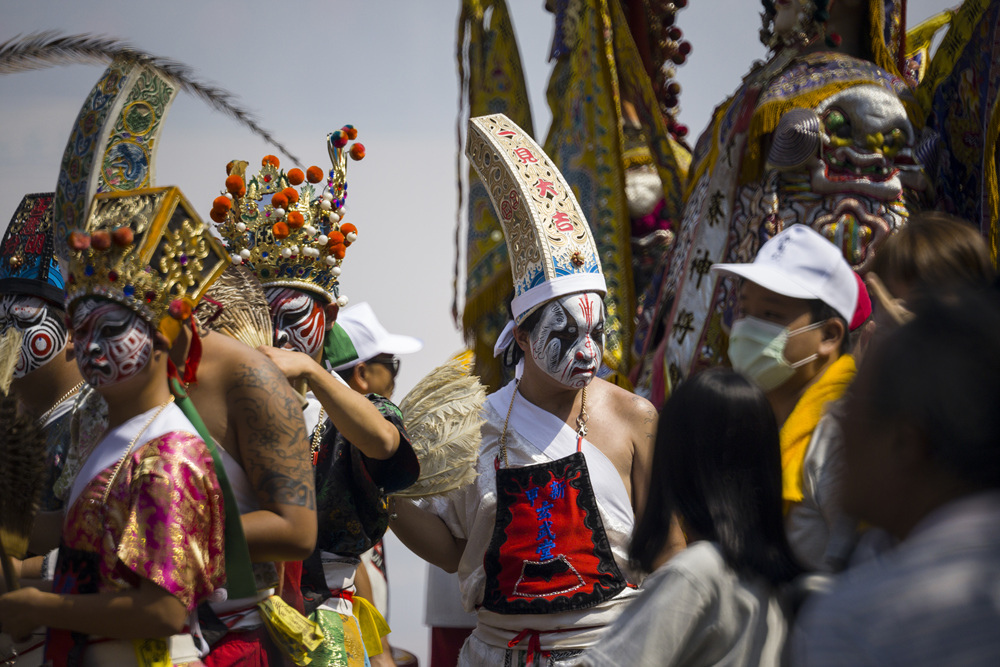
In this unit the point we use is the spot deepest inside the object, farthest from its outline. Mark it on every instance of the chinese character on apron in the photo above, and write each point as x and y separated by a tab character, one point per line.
549	552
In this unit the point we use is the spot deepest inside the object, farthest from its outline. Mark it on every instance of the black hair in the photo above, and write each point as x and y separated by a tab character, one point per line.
820	311
514	353
940	374
717	467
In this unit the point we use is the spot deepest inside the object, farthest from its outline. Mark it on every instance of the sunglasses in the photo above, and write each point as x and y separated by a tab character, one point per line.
390	361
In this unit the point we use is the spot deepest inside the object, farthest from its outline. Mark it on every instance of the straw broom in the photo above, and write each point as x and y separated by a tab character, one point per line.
22	450
442	416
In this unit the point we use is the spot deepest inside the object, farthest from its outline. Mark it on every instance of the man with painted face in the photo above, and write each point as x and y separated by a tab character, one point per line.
795	302
360	450
539	539
46	378
143	540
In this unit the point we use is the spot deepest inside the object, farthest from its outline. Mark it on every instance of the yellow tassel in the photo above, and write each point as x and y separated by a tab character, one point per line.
295	635
992	212
373	625
152	653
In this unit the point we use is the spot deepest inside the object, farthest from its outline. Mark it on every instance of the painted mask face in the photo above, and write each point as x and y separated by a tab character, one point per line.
568	343
858	180
299	320
112	343
41	325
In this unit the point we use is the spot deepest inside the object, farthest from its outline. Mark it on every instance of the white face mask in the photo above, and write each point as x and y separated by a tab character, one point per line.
757	350
568	342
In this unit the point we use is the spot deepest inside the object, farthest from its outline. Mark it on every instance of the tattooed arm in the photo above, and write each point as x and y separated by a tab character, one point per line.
355	417
274	450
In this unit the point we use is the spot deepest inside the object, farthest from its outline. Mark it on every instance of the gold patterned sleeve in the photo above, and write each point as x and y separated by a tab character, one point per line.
173	534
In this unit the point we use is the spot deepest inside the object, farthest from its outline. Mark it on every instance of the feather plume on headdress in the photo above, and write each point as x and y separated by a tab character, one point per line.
10	353
241	305
50	49
442	416
22	450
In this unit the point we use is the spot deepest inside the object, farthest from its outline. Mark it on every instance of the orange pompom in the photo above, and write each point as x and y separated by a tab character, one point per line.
235	185
291	194
279	200
296	176
223	202
314	174
218	214
348	228
123	236
335	238
100	240
358	151
351	131
338	251
295	220
270	160
280	230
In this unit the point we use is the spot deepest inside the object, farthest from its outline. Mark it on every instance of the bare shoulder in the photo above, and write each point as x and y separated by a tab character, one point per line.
240	364
625	404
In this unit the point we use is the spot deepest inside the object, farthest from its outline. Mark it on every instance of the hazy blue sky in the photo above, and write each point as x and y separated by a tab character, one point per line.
307	68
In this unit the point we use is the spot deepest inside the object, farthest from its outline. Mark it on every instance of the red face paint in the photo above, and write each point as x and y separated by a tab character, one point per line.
40	324
299	320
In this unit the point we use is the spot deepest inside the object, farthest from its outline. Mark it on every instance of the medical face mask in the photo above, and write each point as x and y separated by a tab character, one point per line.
757	350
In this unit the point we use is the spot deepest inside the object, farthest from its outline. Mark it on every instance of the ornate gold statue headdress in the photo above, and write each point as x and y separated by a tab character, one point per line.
291	237
146	249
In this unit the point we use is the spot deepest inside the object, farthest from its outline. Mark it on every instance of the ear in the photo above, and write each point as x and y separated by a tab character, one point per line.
160	342
833	331
331	310
523	339
359	378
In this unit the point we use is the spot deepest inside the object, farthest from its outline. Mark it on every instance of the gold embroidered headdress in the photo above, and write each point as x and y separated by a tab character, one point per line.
291	237
146	249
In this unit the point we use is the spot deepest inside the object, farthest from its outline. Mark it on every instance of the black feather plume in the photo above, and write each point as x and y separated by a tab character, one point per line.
50	49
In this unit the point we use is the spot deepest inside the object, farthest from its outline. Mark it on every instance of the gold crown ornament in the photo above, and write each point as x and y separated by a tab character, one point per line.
291	237
148	250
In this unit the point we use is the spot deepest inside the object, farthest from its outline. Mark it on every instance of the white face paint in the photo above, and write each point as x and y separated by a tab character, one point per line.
112	343
568	342
41	325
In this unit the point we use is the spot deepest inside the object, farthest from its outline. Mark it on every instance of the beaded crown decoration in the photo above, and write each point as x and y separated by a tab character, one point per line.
148	250
28	264
291	237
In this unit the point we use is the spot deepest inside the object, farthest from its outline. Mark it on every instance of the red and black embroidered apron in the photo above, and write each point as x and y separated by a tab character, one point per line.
549	552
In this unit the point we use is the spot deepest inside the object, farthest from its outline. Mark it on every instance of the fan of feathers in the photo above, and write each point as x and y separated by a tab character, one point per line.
443	417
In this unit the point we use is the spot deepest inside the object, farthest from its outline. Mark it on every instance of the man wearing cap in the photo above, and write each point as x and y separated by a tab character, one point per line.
539	539
377	351
373	371
795	302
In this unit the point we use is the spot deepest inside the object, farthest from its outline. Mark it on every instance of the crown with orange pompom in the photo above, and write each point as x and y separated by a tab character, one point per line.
289	227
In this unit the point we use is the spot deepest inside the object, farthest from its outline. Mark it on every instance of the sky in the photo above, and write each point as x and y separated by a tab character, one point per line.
307	68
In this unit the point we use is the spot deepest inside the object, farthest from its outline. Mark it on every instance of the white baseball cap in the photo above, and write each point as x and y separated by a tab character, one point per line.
801	264
369	337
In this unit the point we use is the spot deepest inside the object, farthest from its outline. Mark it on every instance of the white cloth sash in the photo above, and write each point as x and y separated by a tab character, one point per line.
559	441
